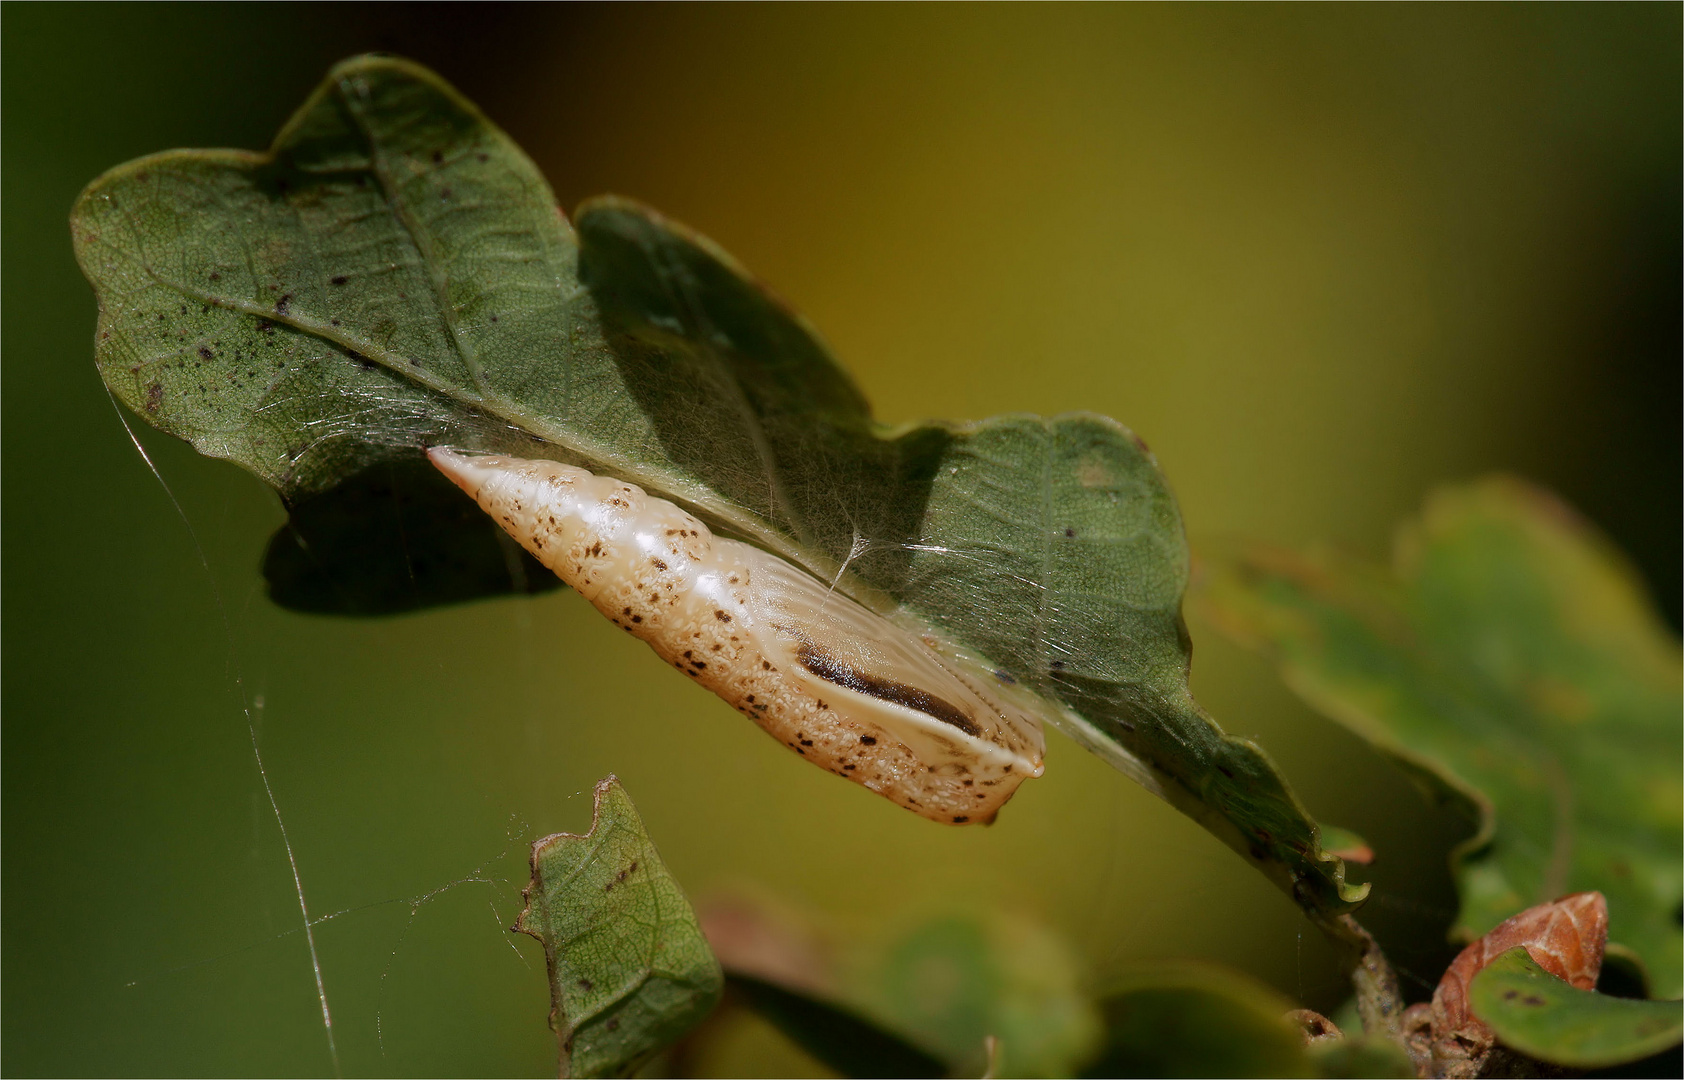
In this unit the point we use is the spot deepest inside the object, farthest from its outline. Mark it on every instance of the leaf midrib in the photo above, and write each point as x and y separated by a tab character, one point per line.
420	237
659	482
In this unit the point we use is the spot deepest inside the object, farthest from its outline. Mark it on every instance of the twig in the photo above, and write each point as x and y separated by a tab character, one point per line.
1378	1001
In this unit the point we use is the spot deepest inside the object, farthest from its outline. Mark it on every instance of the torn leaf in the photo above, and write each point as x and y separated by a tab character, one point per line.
630	972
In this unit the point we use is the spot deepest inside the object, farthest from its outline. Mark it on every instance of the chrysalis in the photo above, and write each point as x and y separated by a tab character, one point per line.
839	685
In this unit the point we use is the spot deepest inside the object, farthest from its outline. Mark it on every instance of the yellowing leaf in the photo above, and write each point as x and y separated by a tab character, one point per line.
1509	655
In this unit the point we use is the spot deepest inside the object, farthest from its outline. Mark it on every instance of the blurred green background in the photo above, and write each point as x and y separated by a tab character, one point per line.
1321	258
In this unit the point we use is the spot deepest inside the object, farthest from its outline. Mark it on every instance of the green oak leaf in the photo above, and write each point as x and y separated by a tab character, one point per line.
1346	844
1549	1019
1192	1019
1196	1019
630	972
1509	658
954	979
393	273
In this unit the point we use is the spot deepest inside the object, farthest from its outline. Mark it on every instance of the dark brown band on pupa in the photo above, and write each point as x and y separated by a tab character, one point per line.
833	670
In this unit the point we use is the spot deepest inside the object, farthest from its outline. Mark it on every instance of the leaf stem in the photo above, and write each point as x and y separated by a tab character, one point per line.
1378	1001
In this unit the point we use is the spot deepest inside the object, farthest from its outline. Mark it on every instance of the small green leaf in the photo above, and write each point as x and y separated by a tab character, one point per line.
1346	844
1511	659
1545	1018
954	980
1191	1019
394	274
630	972
835	1036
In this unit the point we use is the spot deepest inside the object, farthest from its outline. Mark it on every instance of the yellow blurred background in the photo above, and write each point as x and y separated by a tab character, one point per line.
1321	258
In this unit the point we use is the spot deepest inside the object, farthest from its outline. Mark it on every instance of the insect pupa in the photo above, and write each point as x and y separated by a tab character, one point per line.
837	683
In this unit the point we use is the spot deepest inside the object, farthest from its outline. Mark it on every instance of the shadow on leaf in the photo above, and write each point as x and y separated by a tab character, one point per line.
392	538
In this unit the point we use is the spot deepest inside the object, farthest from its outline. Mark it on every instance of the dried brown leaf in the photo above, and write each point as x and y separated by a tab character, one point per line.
1565	937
